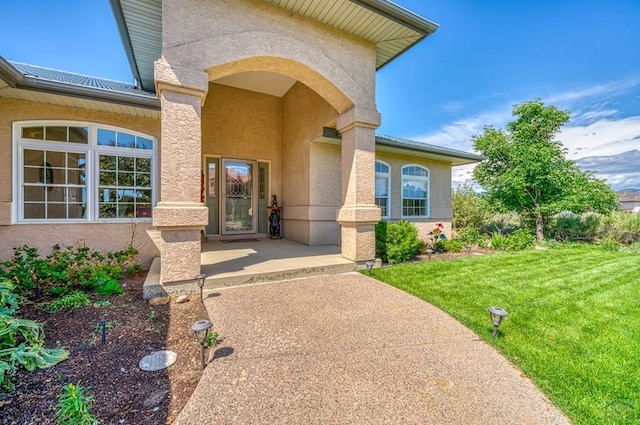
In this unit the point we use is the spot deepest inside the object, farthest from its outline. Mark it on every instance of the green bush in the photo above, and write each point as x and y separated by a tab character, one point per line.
622	226
109	287
503	223
67	269
402	242
449	245
74	406
73	300
381	241
471	236
519	240
497	241
570	227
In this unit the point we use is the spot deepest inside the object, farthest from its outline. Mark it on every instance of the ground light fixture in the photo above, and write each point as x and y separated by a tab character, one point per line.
200	281
429	253
468	248
553	243
201	329
503	247
369	264
497	314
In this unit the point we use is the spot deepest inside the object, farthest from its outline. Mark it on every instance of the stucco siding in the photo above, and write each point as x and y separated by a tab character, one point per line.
224	34
309	170
101	236
441	210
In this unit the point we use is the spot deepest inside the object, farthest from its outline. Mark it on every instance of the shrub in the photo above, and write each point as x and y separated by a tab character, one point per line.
503	223
519	240
497	241
381	241
623	227
67	269
568	226
402	242
449	245
75	299
471	236
109	287
74	405
469	208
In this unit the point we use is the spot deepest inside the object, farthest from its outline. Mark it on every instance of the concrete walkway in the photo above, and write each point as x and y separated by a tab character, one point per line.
346	349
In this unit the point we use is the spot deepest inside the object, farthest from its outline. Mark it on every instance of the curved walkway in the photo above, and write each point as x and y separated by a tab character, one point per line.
346	349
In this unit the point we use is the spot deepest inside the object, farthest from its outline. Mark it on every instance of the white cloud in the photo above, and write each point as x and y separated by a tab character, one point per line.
601	138
613	87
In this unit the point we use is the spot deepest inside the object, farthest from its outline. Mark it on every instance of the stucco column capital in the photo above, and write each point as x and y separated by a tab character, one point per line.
358	117
180	79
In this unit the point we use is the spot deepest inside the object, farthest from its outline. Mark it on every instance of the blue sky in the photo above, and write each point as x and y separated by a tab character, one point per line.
486	57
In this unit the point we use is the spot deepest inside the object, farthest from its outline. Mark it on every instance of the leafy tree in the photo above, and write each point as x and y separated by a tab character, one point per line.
526	170
469	209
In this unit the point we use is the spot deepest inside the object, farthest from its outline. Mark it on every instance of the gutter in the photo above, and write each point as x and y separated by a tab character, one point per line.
9	74
399	14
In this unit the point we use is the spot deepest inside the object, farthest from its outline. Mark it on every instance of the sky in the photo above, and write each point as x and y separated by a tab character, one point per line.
486	57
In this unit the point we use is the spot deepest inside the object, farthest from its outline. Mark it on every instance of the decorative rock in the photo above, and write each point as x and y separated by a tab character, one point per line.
182	299
159	300
155	398
158	360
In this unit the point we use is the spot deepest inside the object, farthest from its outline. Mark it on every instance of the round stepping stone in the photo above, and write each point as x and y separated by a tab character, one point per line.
159	300
182	299
158	360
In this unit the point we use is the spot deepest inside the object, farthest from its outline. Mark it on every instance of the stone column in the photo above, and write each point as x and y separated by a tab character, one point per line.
359	214
180	216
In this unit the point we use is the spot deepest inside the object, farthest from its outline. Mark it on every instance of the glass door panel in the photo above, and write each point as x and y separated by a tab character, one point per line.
238	187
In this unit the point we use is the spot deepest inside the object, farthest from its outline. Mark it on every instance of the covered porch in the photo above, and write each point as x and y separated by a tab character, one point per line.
250	261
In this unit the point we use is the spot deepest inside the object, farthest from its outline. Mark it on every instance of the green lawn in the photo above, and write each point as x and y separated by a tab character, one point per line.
573	325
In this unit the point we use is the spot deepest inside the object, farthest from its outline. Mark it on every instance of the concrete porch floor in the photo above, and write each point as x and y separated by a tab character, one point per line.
234	263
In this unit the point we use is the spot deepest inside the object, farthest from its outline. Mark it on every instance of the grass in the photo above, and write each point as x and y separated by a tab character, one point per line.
573	324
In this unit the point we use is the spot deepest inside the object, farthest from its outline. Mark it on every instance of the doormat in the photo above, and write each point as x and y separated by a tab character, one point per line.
238	240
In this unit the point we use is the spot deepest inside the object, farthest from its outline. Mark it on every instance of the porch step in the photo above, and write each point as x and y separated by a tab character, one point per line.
250	262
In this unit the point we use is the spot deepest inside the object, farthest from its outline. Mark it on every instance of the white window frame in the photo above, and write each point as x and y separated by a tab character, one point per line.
427	181
92	153
386	175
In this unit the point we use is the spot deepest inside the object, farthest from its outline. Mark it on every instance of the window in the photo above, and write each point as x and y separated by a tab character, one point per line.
382	188
415	191
82	172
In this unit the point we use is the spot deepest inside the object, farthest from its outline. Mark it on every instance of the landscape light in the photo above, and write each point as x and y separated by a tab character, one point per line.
497	314
201	329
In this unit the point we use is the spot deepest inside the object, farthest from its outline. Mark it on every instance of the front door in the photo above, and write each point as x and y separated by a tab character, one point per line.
238	188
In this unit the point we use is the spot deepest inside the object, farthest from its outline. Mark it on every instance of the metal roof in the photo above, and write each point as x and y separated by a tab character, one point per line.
454	156
392	28
401	146
46	85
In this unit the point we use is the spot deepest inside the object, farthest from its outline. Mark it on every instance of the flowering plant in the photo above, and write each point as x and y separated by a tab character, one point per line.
437	234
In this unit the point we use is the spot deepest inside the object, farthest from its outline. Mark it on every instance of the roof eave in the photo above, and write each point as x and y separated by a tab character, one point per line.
9	74
118	15
399	14
89	93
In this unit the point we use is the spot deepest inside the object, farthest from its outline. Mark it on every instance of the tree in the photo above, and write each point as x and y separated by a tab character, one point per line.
526	170
469	209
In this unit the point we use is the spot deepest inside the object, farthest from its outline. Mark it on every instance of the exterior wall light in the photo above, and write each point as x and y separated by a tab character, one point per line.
201	329
497	314
200	281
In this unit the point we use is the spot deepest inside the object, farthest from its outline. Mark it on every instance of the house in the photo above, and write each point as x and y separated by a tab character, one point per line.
629	200
233	101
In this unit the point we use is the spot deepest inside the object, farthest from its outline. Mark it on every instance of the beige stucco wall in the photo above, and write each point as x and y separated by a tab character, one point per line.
221	36
243	124
311	173
101	236
439	191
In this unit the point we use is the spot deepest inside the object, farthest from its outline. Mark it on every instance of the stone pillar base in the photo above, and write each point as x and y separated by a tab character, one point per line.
358	242
180	254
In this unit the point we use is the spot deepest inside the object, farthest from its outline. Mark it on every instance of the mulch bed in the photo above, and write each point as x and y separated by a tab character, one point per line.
123	394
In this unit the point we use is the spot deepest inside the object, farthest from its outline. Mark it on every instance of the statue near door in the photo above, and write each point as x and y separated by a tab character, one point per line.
274	219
